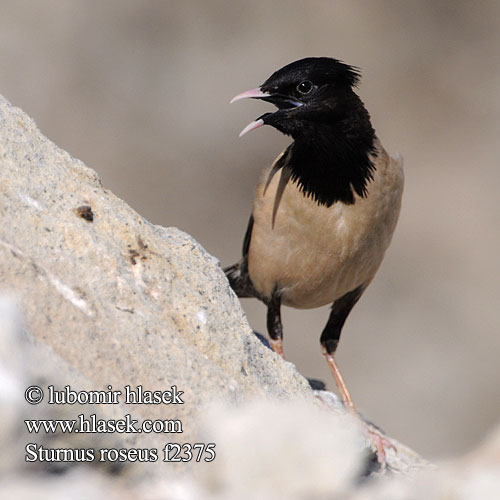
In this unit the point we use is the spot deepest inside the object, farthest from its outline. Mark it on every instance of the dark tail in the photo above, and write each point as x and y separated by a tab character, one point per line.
240	282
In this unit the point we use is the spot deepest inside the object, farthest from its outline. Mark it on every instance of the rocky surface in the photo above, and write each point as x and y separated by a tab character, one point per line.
122	301
92	295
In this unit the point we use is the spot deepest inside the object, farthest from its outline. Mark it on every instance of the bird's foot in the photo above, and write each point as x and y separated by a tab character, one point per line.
380	443
277	347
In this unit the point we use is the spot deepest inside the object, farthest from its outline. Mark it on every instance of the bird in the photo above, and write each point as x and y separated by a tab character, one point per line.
324	212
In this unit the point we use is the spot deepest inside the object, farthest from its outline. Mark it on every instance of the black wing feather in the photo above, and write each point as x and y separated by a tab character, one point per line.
237	274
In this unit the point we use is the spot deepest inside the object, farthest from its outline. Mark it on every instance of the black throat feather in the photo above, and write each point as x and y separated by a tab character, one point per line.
332	161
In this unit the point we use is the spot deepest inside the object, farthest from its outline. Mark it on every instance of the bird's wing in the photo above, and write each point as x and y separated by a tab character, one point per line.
248	236
237	274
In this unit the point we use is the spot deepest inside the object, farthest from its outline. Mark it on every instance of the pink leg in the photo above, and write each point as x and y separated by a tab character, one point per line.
277	346
379	441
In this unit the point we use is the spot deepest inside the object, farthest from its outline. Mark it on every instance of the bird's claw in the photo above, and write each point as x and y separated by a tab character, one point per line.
381	444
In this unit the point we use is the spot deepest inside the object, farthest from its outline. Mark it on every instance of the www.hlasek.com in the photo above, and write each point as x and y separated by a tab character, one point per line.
171	452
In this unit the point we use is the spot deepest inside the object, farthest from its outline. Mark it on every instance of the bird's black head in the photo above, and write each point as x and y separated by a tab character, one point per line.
309	91
333	135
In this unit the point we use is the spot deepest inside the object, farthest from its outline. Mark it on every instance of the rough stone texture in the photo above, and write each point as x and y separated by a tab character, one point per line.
95	295
121	300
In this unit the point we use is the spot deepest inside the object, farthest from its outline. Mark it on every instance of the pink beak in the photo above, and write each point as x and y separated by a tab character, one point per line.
253	93
252	126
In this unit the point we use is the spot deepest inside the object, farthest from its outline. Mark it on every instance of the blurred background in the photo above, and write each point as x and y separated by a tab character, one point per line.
139	90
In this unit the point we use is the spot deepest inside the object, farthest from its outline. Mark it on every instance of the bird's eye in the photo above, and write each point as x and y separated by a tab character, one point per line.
304	87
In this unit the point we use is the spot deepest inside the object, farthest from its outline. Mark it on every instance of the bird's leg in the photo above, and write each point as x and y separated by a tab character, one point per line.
274	326
329	340
380	442
331	335
339	381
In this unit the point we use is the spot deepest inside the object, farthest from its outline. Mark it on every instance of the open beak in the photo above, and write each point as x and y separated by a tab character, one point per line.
280	101
251	94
